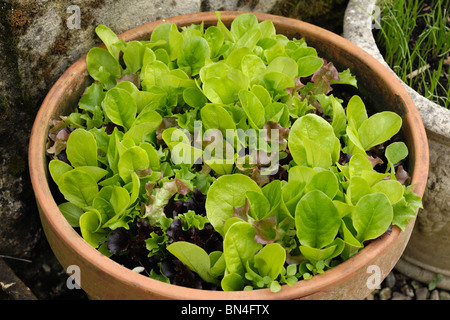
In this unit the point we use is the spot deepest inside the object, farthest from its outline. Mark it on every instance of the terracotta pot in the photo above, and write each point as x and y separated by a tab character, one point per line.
103	278
428	250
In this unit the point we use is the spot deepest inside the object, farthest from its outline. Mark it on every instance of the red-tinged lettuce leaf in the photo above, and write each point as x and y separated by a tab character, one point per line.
375	160
345	77
266	230
401	175
60	142
242	211
56	126
258	177
283	133
160	197
324	75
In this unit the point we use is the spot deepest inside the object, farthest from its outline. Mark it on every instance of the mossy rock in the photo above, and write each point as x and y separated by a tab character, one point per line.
328	14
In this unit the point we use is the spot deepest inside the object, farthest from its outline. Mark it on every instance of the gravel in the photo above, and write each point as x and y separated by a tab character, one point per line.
397	286
52	285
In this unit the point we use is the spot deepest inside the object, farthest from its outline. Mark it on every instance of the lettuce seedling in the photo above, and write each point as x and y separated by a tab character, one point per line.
218	158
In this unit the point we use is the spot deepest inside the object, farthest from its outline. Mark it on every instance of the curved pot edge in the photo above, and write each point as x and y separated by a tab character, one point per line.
358	29
38	152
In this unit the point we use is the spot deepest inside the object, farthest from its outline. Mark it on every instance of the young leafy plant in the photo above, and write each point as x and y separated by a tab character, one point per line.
218	158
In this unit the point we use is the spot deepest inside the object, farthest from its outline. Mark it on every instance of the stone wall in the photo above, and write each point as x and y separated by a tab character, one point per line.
39	39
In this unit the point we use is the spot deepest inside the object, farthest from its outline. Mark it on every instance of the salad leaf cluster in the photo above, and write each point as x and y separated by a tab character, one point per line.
130	157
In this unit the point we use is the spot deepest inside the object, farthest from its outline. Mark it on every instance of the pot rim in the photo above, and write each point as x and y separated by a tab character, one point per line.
38	174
